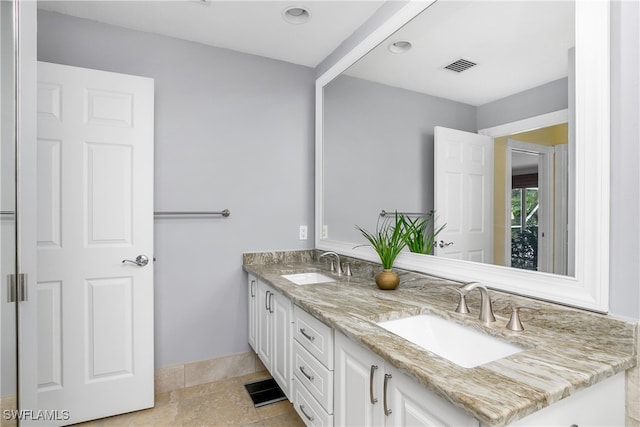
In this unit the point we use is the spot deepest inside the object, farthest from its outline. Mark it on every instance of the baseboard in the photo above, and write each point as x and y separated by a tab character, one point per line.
176	377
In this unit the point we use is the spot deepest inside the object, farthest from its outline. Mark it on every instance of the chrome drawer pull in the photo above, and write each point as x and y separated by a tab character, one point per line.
309	377
373	370
307	336
384	397
305	414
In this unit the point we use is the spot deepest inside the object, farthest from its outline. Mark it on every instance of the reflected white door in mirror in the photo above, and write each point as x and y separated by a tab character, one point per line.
371	105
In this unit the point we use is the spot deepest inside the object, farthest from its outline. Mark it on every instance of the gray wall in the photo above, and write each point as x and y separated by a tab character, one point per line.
379	145
540	100
625	156
379	149
232	131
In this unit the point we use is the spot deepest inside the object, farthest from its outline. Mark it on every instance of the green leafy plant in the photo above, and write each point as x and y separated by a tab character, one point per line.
419	232
388	239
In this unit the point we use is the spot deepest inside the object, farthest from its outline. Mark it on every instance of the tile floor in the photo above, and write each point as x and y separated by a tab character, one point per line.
221	403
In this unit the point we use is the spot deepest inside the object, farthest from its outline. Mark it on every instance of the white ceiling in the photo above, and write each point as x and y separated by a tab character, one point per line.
254	27
517	45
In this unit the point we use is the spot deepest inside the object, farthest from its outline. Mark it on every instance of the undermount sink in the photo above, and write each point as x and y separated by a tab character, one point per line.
308	278
463	346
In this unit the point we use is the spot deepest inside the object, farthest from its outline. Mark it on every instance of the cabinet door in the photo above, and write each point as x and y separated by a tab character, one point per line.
265	330
358	379
411	404
281	357
253	312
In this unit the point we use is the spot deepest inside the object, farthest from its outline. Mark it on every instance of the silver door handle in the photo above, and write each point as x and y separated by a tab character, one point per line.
442	244
141	260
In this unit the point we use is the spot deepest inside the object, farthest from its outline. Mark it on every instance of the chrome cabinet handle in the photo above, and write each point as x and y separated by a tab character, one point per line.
387	411
270	306
310	418
307	336
253	294
309	377
266	300
373	399
141	260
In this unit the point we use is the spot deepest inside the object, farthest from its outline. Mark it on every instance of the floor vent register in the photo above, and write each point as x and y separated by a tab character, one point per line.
264	392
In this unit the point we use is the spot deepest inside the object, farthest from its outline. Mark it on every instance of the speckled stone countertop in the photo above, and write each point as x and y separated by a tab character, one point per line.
566	349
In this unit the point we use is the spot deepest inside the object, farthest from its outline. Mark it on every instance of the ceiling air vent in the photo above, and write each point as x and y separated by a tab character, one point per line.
460	65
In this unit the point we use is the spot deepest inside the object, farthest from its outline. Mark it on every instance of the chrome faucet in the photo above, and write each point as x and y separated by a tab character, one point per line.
486	311
336	267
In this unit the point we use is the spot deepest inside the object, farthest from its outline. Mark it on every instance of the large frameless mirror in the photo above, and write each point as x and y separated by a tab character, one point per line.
492	117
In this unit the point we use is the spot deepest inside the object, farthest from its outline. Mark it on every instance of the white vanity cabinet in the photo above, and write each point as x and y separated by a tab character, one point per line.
312	369
273	316
369	393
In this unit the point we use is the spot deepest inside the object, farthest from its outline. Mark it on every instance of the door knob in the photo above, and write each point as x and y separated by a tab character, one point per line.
442	244
141	260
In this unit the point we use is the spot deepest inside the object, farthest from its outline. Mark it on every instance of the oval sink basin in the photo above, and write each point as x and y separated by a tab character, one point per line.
463	346
308	278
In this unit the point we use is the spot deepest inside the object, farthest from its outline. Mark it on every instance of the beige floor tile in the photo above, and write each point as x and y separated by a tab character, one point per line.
275	409
231	406
289	419
256	376
221	403
209	388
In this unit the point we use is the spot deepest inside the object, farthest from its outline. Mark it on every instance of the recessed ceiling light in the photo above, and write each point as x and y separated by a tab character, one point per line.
401	46
296	15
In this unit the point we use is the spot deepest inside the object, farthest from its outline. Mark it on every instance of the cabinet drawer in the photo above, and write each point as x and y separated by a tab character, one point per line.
314	336
308	408
317	379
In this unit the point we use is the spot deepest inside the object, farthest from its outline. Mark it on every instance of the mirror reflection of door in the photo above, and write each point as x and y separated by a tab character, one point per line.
463	194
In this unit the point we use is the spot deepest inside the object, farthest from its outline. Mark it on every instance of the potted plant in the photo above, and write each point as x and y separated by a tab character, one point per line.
388	240
420	233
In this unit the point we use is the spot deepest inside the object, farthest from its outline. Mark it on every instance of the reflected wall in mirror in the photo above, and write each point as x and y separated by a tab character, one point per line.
532	78
380	115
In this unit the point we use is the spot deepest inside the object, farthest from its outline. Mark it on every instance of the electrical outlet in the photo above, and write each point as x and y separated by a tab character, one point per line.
303	232
325	232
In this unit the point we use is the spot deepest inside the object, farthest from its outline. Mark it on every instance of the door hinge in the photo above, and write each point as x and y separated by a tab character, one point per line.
17	287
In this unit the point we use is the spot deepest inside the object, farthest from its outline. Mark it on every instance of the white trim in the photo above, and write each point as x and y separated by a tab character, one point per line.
26	205
561	191
531	123
590	286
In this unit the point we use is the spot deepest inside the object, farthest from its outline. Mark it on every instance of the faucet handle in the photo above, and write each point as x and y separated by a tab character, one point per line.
462	307
514	323
347	269
333	266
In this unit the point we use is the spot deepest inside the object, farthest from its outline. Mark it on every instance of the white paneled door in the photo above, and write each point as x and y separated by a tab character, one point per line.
95	209
463	193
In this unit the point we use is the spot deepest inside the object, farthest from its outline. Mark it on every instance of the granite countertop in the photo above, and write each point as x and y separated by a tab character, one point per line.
566	349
